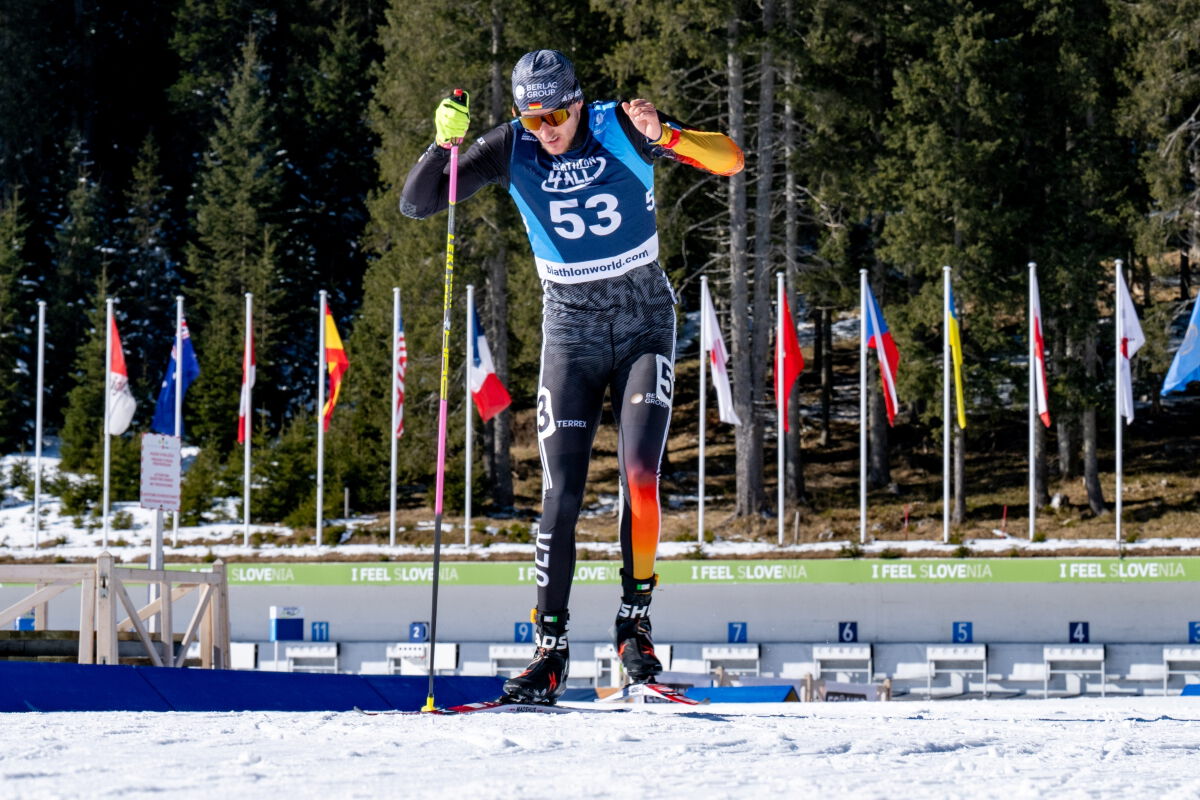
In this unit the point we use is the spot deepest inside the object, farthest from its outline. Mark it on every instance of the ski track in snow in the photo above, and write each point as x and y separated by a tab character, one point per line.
1080	748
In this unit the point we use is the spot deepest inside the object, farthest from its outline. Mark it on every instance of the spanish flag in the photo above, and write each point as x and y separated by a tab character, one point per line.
336	362
957	355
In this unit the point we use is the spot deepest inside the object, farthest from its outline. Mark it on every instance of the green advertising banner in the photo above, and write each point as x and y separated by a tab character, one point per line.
899	571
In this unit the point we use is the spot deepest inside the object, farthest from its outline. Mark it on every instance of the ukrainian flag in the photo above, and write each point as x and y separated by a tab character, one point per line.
957	354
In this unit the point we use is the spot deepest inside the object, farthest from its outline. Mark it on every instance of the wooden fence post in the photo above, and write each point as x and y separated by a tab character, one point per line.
87	620
221	634
106	611
167	625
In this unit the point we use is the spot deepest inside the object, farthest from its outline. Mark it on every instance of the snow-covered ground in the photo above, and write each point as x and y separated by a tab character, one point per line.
1081	748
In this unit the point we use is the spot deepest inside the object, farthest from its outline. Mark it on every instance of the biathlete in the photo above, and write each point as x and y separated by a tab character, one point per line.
582	176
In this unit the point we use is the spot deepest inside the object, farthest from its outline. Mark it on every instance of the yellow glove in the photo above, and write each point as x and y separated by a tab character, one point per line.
452	118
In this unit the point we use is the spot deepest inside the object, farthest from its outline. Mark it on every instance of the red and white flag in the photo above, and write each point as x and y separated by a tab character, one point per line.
1131	341
489	393
121	404
714	346
245	413
401	367
879	338
788	358
1042	388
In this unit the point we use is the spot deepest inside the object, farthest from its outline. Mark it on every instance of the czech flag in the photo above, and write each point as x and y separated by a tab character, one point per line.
880	338
488	392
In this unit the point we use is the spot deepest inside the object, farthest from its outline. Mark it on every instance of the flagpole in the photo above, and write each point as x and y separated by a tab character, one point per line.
108	326
37	436
704	334
467	406
1120	334
945	404
780	402
1032	405
178	417
395	412
862	407
321	370
248	426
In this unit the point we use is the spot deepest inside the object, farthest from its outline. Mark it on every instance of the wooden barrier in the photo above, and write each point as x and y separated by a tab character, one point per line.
103	595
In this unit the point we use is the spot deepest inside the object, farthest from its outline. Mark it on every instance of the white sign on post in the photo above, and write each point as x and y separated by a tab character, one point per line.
160	472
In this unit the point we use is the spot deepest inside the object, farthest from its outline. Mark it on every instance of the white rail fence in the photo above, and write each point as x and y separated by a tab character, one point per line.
104	597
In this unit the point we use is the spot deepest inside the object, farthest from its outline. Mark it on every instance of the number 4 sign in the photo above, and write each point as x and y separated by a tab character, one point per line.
1078	633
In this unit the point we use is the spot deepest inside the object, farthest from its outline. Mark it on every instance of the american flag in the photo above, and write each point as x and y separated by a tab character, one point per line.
401	363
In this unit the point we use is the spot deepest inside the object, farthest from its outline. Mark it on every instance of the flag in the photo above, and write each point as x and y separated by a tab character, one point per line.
1131	341
1039	354
164	409
880	338
336	362
121	404
249	369
401	366
719	358
1185	367
489	393
787	353
956	354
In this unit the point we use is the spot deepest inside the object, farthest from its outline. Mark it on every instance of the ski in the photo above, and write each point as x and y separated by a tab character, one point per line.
651	693
498	706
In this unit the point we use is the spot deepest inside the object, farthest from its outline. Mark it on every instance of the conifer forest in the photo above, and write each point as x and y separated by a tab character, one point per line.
210	148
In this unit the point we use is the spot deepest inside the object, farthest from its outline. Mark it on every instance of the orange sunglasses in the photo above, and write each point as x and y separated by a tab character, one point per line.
553	119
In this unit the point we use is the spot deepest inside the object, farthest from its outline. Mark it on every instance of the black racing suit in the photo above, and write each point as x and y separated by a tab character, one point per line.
608	320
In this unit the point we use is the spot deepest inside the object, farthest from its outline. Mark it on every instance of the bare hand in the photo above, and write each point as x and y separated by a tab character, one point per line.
644	117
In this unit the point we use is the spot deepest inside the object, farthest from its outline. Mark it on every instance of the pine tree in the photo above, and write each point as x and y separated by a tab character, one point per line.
233	252
80	254
152	280
16	371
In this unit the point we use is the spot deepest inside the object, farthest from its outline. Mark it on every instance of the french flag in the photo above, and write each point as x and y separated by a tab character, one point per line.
880	338
489	393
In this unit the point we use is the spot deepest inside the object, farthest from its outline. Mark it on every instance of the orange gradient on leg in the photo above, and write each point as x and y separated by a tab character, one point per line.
644	521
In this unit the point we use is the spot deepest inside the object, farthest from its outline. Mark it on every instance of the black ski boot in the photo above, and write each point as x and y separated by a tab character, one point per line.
545	679
635	646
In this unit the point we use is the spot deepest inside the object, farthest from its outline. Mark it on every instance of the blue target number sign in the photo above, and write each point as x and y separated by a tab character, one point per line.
847	632
737	632
963	633
1194	632
523	632
320	631
1078	632
418	631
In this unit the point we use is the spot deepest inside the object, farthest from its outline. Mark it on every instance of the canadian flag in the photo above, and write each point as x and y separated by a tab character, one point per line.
714	345
121	404
1042	389
488	392
1132	340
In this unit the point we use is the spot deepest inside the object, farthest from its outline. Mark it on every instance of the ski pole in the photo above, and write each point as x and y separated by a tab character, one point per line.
442	401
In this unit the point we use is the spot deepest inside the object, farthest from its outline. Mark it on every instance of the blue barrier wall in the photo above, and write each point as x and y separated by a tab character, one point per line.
26	686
